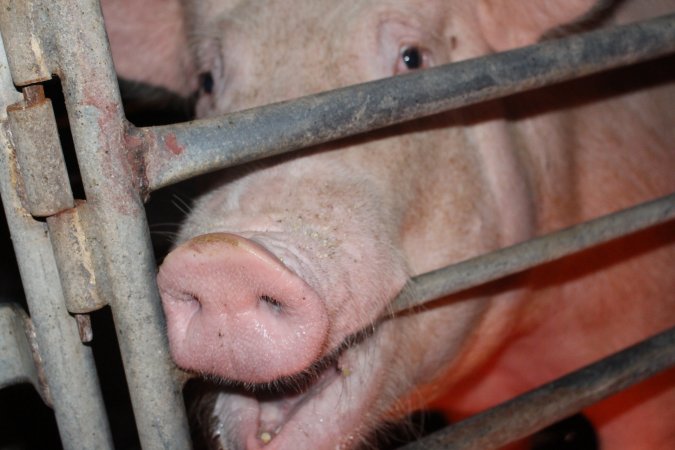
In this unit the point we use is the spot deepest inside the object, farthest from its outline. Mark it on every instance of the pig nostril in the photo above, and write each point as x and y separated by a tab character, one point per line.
273	303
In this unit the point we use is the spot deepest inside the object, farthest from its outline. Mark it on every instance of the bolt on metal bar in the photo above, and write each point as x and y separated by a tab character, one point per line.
516	258
554	401
71	383
178	152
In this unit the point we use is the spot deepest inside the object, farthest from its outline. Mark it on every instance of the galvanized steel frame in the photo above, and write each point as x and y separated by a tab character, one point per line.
67	38
86	254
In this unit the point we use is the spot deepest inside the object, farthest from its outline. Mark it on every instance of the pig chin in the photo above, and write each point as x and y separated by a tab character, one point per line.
335	410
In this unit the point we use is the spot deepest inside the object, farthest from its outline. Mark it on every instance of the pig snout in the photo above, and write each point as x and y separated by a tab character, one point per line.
235	310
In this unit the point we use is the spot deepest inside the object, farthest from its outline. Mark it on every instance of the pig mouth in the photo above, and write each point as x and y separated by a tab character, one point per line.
291	377
317	409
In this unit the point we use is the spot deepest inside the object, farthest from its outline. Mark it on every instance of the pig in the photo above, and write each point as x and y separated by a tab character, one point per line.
281	273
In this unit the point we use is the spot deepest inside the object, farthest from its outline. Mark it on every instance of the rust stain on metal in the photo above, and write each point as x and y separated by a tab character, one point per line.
122	165
171	143
84	327
136	144
43	386
33	94
116	165
132	140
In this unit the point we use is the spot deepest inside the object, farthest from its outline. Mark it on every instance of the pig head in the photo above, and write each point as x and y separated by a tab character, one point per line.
282	272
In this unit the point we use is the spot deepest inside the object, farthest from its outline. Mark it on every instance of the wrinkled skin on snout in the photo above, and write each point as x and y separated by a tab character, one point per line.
282	273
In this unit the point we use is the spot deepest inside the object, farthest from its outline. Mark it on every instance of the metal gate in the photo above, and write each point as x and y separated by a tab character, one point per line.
77	256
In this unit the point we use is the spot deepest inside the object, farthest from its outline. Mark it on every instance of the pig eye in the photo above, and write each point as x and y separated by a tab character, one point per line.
411	58
206	82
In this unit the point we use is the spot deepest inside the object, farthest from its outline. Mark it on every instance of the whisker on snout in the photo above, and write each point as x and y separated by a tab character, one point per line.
171	235
181	204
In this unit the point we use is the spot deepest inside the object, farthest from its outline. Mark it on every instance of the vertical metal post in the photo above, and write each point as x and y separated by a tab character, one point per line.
98	128
67	37
72	387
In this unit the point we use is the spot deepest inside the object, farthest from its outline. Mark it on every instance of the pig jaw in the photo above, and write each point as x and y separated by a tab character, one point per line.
338	411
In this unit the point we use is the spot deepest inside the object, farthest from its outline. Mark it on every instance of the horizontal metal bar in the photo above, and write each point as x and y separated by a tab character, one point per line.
561	398
178	152
516	258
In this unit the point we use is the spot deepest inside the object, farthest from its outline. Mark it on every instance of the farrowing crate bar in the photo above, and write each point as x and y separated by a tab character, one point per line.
120	165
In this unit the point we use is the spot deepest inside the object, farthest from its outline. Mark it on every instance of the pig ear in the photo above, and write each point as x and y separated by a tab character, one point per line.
507	24
149	43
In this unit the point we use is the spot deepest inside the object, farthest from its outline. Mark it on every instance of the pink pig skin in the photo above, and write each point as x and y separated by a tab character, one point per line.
281	272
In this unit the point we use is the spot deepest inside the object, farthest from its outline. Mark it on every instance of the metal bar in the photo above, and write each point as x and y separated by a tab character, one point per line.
71	382
554	401
516	258
178	152
98	128
43	169
16	364
78	257
21	23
